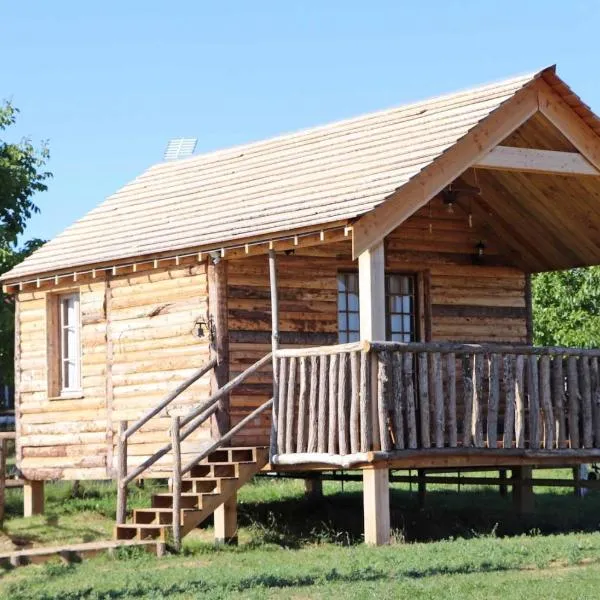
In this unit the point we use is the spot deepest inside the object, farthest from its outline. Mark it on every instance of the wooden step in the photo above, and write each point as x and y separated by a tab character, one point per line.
201	485
213	470
165	500
159	516
140	531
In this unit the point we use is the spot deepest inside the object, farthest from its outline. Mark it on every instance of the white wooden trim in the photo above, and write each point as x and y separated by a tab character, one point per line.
505	158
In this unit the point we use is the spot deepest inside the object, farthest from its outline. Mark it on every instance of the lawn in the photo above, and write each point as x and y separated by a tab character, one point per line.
467	544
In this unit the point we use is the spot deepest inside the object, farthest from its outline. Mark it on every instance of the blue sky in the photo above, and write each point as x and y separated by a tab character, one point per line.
109	83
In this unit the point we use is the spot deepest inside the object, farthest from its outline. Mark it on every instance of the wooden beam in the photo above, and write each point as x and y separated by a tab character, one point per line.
225	518
570	124
529	160
219	347
33	498
273	450
376	506
375	225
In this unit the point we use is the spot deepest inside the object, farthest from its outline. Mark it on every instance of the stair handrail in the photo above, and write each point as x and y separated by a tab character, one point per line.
193	420
205	368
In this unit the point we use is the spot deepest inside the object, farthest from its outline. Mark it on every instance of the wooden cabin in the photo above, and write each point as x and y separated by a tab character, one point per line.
379	266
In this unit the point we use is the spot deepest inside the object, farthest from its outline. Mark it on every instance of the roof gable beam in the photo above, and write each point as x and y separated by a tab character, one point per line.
375	225
528	160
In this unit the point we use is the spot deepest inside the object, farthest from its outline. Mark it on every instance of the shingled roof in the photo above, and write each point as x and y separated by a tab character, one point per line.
323	175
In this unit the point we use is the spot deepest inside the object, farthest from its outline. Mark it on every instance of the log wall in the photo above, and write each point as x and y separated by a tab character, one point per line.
138	342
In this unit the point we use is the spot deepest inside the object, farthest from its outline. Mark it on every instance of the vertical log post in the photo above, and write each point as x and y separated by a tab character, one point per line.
467	380
585	388
332	432
354	402
595	376
452	418
520	401
493	401
302	406
342	401
477	423
546	395
290	408
176	444
313	409
533	381
409	390
438	398
121	474
573	389
366	431
398	400
522	490
322	424
376	499
282	382
3	446
383	382
219	342
423	369
274	347
558	395
508	381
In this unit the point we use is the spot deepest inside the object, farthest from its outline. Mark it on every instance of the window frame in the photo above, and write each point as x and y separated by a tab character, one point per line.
346	311
56	346
414	314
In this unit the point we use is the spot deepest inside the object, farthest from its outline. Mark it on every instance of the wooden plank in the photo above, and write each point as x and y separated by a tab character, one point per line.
546	402
520	401
493	400
530	160
585	389
323	412
558	397
467	381
290	407
438	402
398	400
423	370
313	410
333	404
478	412
376	501
533	382
343	405
573	392
354	402
508	382
595	378
383	381
451	391
366	429
302	406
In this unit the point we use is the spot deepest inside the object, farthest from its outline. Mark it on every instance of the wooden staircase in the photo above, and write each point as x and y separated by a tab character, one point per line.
206	486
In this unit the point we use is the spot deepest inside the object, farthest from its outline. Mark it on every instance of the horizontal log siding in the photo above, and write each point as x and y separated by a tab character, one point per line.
151	323
308	316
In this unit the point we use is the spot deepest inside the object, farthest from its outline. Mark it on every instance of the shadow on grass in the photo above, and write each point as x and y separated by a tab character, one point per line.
338	517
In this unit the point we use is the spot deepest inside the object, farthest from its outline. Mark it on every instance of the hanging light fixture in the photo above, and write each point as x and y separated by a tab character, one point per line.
480	247
449	196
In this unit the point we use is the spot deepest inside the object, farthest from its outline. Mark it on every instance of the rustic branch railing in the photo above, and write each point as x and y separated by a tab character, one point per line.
356	398
184	428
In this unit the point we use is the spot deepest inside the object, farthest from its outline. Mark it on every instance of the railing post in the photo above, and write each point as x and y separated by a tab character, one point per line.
176	443
122	474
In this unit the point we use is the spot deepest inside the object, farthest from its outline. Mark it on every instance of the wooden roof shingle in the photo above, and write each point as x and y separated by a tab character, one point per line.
310	178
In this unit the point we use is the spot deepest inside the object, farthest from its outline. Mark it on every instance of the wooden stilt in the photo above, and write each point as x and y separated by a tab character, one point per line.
422	488
33	498
313	488
226	521
523	492
503	487
376	502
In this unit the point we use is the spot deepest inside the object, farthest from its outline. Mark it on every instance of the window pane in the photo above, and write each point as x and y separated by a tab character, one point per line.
353	322
396	323
341	301
407	326
342	282
406	304
353	302
352	282
354	336
341	321
69	342
343	337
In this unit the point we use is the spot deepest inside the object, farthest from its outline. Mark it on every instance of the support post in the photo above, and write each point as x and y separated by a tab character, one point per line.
176	443
121	474
523	492
313	488
376	493
422	487
3	448
274	347
33	498
219	346
376	506
503	489
225	518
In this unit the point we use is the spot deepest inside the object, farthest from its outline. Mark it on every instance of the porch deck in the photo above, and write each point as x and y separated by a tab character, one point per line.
418	405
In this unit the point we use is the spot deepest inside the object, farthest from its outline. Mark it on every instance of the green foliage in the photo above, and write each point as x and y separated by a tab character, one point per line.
22	174
566	308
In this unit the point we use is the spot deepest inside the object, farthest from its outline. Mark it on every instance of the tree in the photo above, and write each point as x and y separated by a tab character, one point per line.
22	174
566	308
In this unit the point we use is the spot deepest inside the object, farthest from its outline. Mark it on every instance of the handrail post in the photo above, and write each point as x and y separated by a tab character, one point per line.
122	474
176	442
274	347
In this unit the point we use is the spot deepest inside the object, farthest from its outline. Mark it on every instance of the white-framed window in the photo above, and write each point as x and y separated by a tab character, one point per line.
69	341
348	310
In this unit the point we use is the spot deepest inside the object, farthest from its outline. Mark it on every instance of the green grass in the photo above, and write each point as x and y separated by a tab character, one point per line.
468	544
